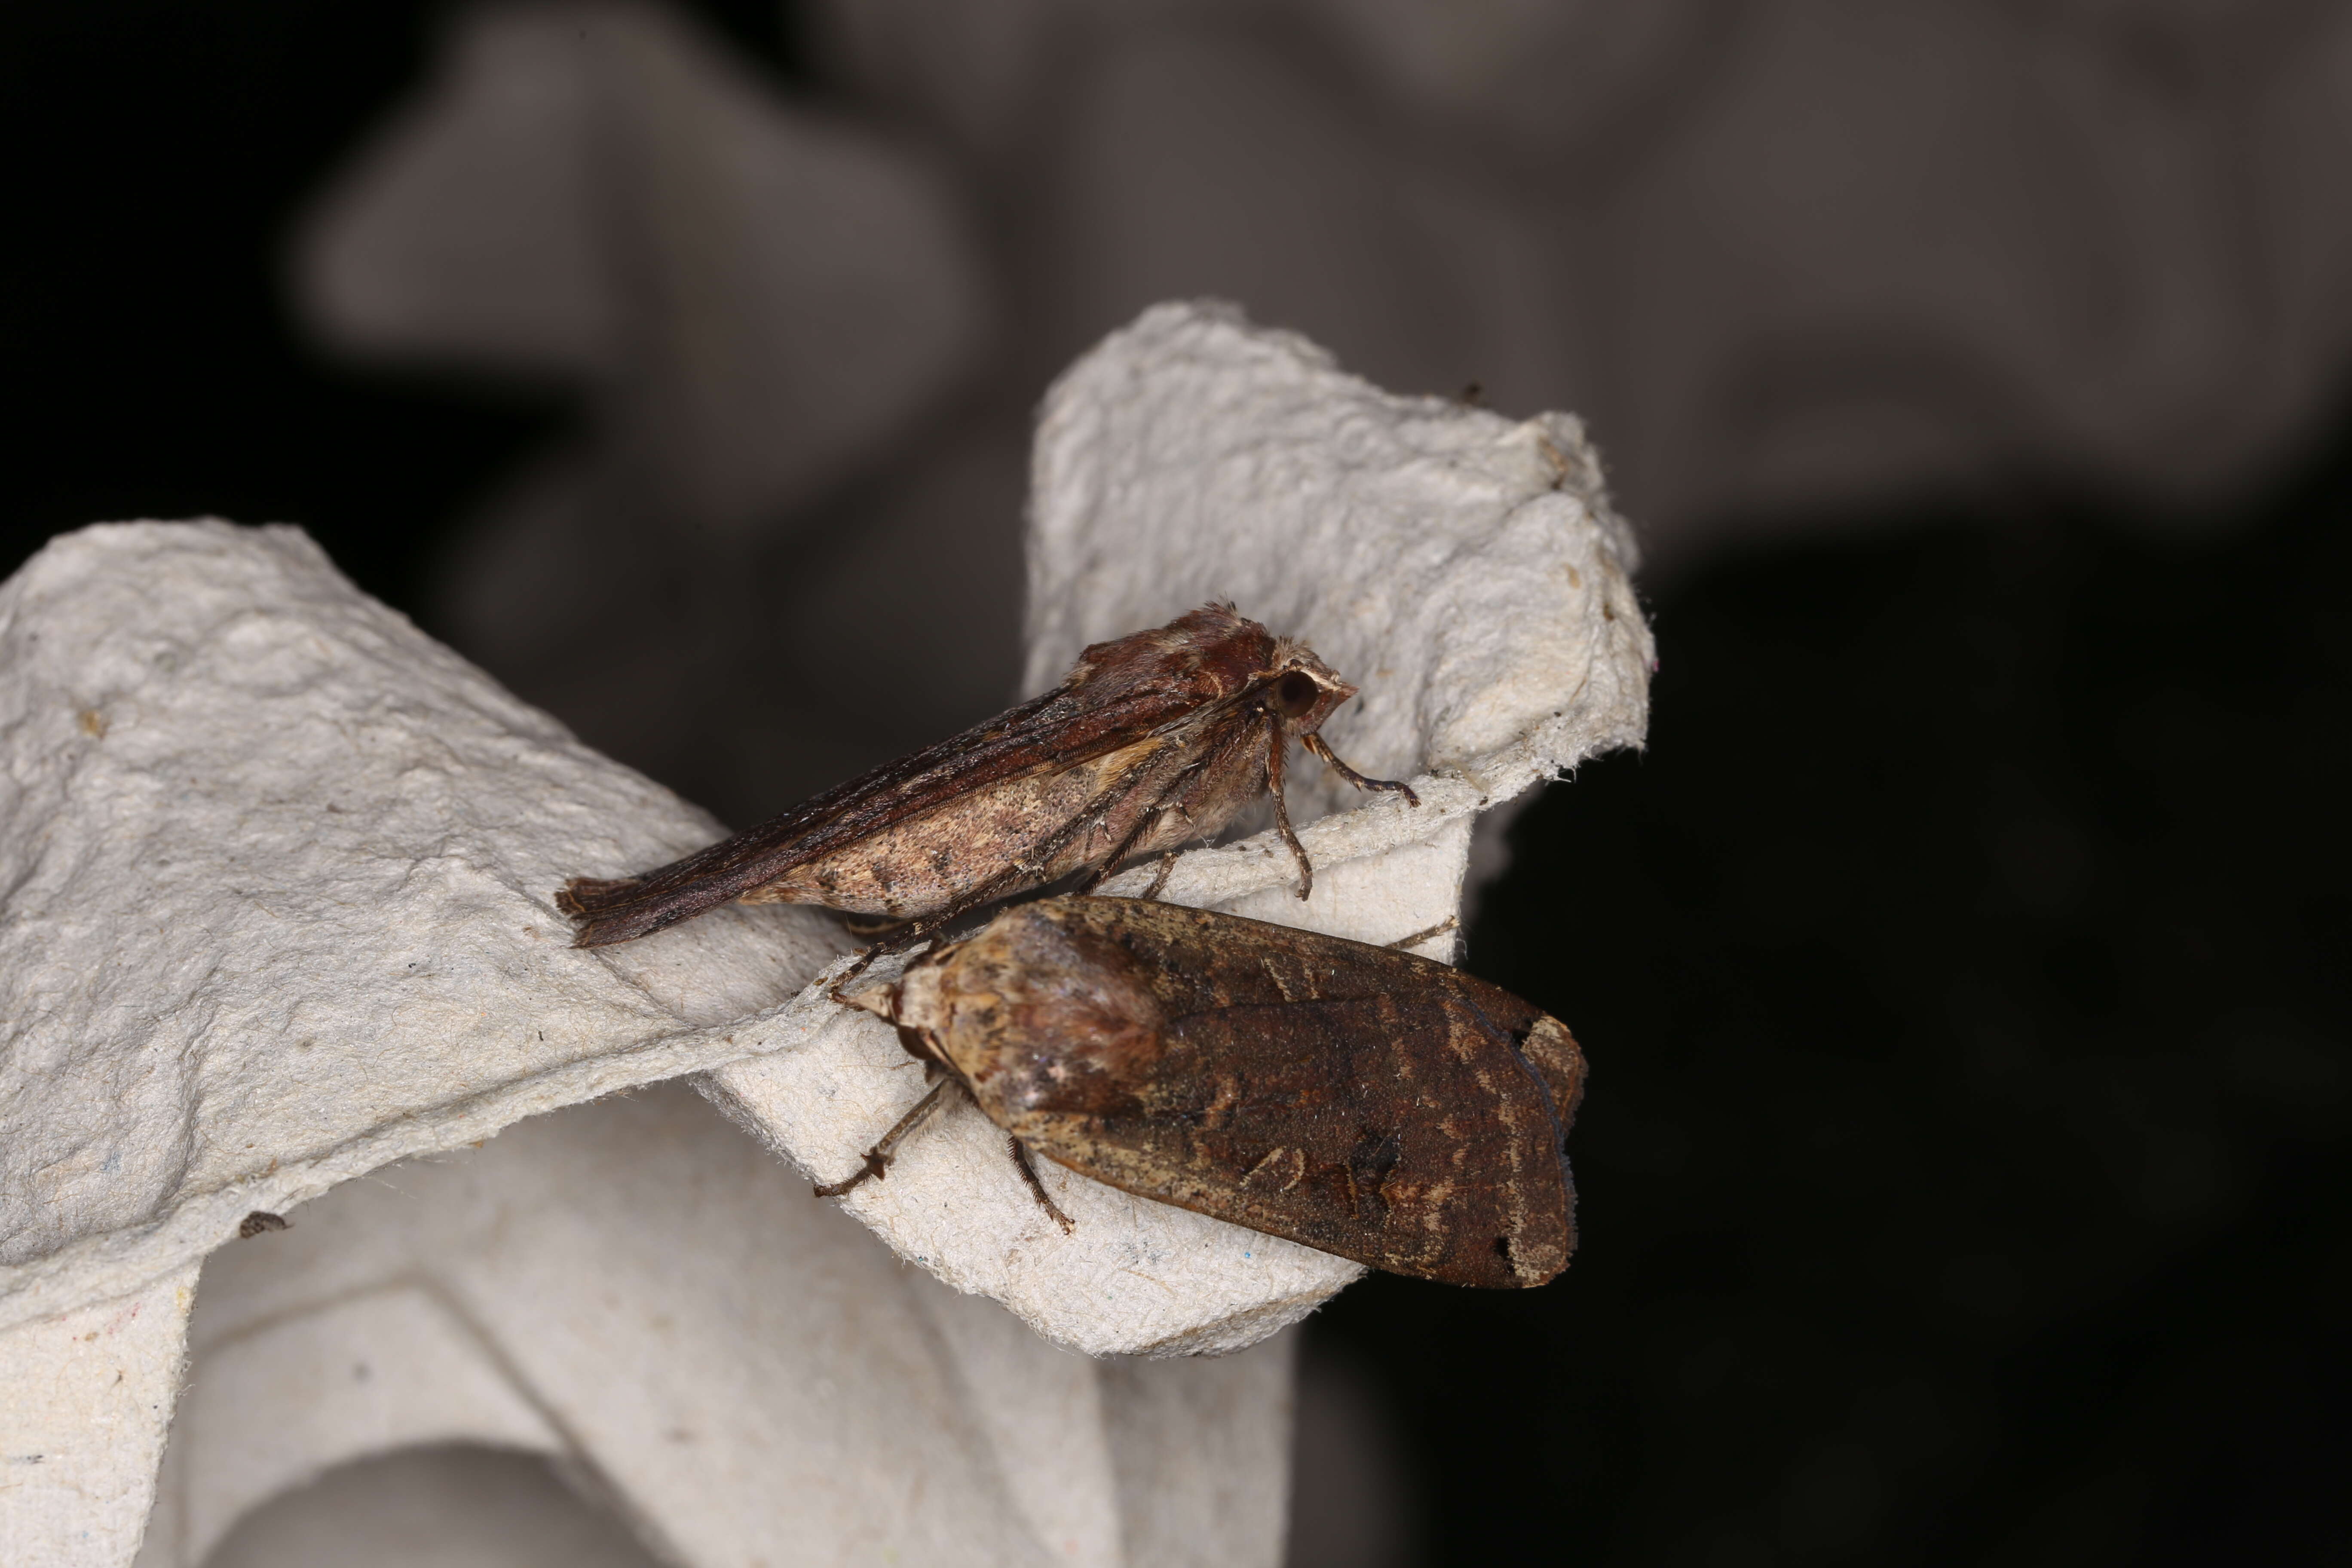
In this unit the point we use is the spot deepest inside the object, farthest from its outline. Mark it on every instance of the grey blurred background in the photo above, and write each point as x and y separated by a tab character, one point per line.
786	286
1785	258
675	361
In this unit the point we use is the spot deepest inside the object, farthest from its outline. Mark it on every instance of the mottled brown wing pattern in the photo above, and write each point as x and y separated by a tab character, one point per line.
1117	693
1302	1121
1368	1103
1026	742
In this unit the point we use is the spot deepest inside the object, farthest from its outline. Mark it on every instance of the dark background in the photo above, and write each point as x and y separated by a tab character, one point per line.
1964	1174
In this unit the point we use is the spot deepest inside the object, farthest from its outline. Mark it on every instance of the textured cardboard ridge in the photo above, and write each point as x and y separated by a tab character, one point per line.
278	872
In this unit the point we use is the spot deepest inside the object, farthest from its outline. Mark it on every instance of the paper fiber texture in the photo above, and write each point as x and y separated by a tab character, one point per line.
278	872
635	1290
280	866
1464	570
85	1396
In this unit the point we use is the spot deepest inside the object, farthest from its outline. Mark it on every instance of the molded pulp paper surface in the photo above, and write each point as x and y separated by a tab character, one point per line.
85	1396
1462	569
587	1288
278	872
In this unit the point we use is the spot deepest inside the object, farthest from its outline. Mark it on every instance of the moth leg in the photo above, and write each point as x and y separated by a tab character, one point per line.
857	925
1160	877
1282	809
1417	938
1171	799
1144	822
906	933
878	1158
901	934
859	968
1036	1188
1103	872
1324	754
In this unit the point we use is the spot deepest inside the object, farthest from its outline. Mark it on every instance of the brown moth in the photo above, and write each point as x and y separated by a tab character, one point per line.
1356	1099
1150	741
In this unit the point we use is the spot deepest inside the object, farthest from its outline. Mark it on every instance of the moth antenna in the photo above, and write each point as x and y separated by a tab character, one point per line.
1282	809
854	970
878	1158
876	1167
1324	754
909	934
1036	1188
1405	944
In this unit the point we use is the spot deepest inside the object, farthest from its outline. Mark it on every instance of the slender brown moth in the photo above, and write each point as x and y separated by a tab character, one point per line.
1150	741
1356	1099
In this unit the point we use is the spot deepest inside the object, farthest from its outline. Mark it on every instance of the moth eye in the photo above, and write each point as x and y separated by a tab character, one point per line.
1295	693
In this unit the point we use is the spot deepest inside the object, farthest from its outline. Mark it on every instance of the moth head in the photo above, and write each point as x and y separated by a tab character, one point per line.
1300	688
877	996
907	1002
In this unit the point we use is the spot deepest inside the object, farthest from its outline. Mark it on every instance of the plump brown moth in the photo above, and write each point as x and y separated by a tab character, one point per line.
1150	741
1357	1100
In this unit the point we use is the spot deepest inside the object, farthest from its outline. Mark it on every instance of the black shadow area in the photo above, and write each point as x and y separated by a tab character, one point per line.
1964	1172
155	155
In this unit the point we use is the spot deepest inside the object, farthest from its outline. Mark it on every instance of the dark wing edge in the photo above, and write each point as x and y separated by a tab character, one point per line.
1559	1063
1538	1045
1031	739
1556	1063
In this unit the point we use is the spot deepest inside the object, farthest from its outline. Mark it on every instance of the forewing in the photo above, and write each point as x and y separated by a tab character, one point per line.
1403	1128
1045	734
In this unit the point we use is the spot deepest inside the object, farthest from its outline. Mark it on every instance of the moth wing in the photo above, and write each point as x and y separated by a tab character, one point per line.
1045	734
1405	1129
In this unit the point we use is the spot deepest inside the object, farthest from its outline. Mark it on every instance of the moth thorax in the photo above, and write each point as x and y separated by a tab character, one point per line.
915	1001
1074	1026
